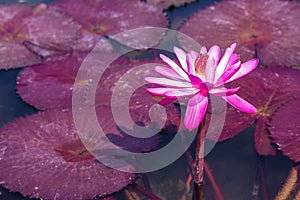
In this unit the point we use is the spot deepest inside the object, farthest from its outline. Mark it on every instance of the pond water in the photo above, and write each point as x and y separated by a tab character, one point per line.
234	162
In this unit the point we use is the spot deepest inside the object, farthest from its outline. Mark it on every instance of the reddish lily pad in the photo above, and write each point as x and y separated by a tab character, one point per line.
268	27
42	156
50	29
285	129
28	33
111	17
167	3
50	85
235	122
13	52
122	81
267	89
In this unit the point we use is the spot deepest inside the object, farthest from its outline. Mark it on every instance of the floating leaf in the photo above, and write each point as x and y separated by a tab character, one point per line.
13	52
50	85
268	27
235	122
111	17
42	156
266	88
27	33
285	129
50	29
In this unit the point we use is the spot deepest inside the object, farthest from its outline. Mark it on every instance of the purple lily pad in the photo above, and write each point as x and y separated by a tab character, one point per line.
235	122
42	156
285	129
124	80
13	52
28	33
111	17
50	29
267	89
50	85
269	27
167	3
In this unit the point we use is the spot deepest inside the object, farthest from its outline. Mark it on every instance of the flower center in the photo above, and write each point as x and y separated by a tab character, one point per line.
200	65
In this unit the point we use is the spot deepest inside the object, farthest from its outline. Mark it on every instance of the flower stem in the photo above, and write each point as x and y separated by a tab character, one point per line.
199	161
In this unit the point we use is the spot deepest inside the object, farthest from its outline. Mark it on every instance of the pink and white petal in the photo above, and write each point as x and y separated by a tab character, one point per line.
195	111
181	56
181	92
158	91
210	70
228	73
240	104
167	101
215	53
223	63
222	91
168	82
203	50
233	59
167	72
190	59
174	66
195	80
245	69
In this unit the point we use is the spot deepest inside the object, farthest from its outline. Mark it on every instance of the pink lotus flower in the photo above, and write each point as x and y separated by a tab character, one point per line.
200	75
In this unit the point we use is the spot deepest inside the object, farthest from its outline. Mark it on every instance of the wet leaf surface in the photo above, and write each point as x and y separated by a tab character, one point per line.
44	151
268	27
285	129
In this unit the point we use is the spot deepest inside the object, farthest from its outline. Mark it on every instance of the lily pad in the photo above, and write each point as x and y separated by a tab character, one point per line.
13	53
50	29
30	33
285	129
111	17
123	88
267	88
50	85
42	156
268	28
